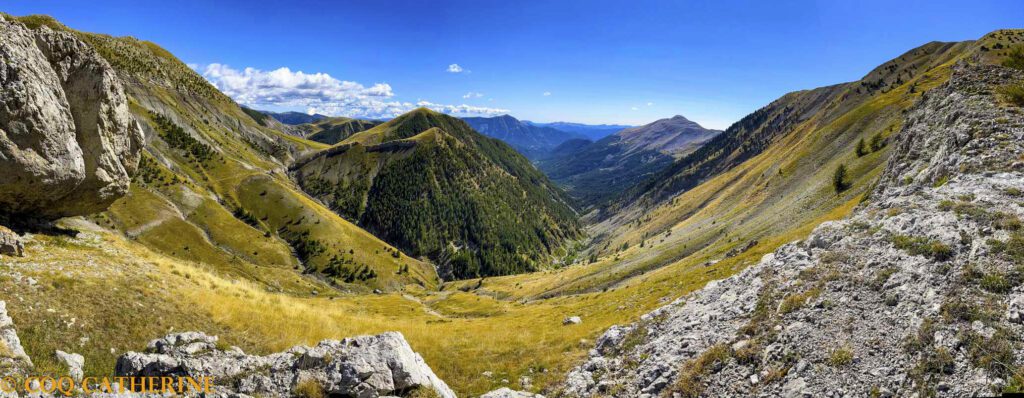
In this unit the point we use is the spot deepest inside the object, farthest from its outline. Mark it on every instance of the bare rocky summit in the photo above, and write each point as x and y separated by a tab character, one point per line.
68	143
918	293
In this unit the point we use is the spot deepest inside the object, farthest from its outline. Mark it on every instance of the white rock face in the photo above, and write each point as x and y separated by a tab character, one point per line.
74	362
915	294
364	366
13	359
68	143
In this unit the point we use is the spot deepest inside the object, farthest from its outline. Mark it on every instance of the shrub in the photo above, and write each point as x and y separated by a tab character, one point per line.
995	283
794	302
839	179
689	383
877	142
994	354
1014	93
861	148
841	356
920	246
1015	59
309	388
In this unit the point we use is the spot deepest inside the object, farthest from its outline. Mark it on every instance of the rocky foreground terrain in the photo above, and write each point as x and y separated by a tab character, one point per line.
918	293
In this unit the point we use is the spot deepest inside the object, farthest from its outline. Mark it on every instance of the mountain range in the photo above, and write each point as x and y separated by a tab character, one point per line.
591	132
863	238
531	140
293	118
595	172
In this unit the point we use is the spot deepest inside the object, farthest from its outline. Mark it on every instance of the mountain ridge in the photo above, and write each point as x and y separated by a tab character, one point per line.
531	140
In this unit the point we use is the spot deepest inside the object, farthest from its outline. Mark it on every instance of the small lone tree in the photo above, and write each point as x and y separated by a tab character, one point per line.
861	148
839	178
877	142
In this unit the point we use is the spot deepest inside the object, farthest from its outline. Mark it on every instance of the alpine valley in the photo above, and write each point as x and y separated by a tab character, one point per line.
858	239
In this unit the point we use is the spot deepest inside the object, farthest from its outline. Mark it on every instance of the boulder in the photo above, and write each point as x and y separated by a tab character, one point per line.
68	143
10	243
74	362
572	320
13	359
363	366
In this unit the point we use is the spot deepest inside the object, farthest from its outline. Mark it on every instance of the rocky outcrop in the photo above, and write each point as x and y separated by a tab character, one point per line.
919	293
68	144
364	366
13	359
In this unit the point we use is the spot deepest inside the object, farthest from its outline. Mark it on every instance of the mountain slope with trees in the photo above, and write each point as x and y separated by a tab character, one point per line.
431	185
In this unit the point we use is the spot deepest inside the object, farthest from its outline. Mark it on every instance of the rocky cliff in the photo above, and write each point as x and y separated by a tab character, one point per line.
68	143
918	293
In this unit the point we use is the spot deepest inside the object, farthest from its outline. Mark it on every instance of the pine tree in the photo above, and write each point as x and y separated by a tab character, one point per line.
877	142
861	148
839	179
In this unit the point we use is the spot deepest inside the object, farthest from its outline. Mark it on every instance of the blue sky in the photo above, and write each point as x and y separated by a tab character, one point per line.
582	61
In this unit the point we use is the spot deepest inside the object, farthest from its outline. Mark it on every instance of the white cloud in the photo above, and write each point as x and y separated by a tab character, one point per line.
454	68
547	94
650	104
316	92
472	95
634	108
462	109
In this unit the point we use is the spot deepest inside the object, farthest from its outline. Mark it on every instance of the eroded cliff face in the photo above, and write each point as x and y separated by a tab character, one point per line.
919	292
68	144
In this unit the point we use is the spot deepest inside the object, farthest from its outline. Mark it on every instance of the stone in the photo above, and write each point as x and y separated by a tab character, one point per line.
572	320
10	243
13	359
795	388
68	143
74	362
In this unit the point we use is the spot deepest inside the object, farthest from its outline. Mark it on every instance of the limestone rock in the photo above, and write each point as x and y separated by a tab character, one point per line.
364	366
74	362
68	143
13	359
10	243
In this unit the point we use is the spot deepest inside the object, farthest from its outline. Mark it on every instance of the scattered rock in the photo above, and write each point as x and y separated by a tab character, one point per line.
572	320
364	366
